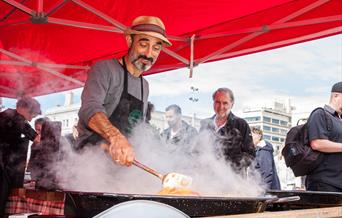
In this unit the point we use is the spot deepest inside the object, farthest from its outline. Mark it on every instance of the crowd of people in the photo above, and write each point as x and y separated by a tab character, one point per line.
115	99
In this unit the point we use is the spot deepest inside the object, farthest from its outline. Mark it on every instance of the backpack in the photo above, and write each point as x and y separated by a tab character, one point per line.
298	154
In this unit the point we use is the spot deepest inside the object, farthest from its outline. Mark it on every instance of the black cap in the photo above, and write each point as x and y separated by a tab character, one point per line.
337	87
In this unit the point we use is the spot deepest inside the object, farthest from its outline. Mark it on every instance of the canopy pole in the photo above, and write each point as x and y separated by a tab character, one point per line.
271	27
57	6
256	34
302	11
7	88
34	64
61	66
100	14
332	31
176	56
21	7
78	24
40	7
192	39
17	21
228	47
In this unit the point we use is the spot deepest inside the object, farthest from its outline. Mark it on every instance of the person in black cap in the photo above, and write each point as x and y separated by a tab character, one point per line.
15	134
325	135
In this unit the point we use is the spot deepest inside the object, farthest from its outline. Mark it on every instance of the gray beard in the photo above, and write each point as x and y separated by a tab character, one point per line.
141	67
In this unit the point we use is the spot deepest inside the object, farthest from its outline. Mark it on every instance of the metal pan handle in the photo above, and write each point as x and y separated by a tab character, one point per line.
283	199
262	205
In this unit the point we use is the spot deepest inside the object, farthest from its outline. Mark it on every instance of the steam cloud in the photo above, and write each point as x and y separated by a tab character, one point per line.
92	170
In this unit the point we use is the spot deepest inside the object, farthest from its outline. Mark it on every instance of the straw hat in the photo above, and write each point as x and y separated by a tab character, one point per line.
148	25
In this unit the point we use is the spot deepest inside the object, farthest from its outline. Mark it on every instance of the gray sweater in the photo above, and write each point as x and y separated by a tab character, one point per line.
102	92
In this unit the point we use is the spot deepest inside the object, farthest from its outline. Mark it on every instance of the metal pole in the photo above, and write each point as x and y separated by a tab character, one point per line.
193	99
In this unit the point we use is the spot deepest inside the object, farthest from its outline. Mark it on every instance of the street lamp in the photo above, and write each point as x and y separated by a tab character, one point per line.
193	99
193	89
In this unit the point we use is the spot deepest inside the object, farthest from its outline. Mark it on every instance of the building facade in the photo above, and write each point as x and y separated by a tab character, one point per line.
274	121
67	114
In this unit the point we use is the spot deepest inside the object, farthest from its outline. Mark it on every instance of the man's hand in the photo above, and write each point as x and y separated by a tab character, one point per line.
121	150
37	139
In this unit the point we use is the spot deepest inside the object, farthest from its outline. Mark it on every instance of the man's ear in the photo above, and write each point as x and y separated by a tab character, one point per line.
129	40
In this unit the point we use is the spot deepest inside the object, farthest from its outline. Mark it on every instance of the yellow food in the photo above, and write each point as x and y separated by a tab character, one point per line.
178	192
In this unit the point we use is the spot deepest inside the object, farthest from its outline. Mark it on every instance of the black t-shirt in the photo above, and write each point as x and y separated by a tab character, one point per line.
330	169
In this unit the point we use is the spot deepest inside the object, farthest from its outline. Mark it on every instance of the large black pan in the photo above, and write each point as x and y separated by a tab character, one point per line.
83	204
308	199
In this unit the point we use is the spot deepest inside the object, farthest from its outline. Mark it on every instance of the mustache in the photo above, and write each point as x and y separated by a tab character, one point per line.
146	58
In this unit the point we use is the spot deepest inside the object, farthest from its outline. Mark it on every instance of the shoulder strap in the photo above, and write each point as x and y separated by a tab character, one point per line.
327	118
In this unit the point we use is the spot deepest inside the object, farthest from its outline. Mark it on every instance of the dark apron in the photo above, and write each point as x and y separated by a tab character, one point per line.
128	112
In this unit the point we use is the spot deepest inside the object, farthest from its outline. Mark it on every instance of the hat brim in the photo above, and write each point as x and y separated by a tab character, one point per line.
154	34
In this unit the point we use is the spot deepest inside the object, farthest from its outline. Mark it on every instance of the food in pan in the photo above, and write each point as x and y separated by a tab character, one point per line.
178	192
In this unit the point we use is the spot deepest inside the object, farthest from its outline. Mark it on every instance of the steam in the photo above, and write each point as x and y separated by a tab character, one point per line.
92	170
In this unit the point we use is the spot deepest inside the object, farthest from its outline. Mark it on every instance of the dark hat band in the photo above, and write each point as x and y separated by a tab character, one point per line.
149	28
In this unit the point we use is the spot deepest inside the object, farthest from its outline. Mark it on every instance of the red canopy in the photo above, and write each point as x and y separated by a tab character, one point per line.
48	46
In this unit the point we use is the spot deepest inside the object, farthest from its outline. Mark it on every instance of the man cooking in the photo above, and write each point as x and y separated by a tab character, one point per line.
115	95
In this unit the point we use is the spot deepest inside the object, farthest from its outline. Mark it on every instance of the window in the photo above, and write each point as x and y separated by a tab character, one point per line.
275	129
252	119
275	138
267	128
283	123
267	119
275	121
267	137
282	139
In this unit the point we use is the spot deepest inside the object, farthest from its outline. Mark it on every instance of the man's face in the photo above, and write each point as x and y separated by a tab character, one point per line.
144	51
222	104
38	128
256	138
339	103
171	117
29	115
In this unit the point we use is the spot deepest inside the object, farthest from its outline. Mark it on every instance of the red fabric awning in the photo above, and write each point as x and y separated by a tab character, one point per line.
48	46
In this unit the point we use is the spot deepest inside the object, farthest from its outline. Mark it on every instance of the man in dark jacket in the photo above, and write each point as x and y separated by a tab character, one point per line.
232	132
15	133
179	132
265	161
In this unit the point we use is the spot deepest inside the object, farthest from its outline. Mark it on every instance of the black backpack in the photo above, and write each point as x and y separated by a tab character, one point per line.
298	153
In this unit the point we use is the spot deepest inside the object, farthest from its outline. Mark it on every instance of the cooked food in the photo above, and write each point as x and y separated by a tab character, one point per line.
178	192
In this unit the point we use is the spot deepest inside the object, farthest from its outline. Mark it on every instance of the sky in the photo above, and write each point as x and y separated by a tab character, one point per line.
303	73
